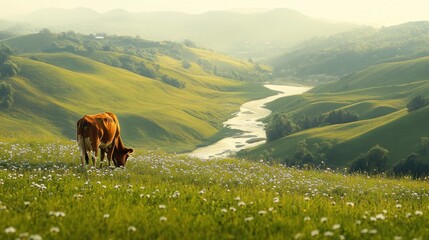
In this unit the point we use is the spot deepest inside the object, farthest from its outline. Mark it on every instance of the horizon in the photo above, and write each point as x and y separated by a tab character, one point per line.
380	13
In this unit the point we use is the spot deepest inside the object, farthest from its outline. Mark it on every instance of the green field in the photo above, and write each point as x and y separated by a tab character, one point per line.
46	193
379	95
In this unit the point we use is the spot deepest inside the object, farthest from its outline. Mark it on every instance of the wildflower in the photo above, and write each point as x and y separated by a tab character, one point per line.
314	233
232	209
271	209
336	227
27	203
408	215
328	234
54	230
262	212
276	200
373	231
237	198
106	215
162	219
307	218
35	237
117	186
202	191
176	194
241	204
306	199
162	206
350	204
132	229
397	238
223	210
418	212
323	219
398	205
364	231
298	236
248	219
9	230
380	216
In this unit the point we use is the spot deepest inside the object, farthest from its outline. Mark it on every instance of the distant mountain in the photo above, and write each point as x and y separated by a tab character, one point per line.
255	35
347	52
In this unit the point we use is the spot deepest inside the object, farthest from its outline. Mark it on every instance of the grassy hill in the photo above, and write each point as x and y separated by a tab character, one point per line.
54	89
379	95
352	51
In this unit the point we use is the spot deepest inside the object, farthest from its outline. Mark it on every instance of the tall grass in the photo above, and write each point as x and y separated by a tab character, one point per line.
44	192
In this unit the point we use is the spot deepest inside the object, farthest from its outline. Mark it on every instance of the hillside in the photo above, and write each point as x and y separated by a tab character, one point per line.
241	35
175	108
352	51
379	96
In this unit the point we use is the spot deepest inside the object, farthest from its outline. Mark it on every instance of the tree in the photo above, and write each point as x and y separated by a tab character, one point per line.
416	103
6	95
5	53
279	126
302	154
9	69
186	64
374	161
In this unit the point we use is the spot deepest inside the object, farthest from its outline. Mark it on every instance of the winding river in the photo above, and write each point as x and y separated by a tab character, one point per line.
247	121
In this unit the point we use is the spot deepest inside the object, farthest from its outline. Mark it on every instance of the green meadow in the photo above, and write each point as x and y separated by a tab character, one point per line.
46	194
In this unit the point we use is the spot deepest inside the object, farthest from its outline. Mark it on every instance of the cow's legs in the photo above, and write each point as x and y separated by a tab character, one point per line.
102	153
83	154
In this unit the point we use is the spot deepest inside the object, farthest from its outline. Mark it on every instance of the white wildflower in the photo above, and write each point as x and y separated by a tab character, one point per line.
132	229
262	212
9	230
162	206
54	230
328	234
248	219
323	219
163	219
336	227
276	200
314	233
418	212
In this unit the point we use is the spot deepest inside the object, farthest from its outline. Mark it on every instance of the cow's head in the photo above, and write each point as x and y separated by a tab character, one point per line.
120	157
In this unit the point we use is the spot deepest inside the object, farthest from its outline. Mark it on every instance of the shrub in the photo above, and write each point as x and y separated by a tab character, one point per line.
414	165
417	103
341	116
6	95
172	81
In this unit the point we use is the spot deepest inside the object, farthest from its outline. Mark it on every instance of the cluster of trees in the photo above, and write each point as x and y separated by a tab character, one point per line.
417	103
372	162
8	68
280	124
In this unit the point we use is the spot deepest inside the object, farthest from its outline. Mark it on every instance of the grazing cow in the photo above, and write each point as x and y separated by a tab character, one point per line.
101	131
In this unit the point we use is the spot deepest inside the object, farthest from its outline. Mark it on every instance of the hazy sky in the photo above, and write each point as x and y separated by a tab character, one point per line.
378	12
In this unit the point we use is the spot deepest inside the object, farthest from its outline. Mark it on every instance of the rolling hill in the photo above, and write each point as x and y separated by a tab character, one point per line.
55	88
237	34
379	95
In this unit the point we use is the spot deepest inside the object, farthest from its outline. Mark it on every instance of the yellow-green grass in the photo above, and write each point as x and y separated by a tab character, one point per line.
45	193
53	93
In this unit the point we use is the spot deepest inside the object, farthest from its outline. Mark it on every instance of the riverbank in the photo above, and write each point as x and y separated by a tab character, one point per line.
247	125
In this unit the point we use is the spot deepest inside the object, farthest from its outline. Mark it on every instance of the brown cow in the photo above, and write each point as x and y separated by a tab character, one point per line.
101	131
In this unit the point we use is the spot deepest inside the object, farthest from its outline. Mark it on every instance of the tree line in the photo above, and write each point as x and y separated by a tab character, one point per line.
281	125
